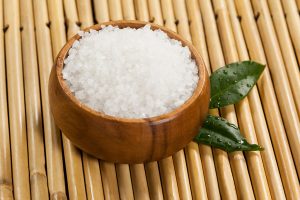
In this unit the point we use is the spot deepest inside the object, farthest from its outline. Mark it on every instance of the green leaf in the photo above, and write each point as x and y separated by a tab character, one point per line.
219	133
232	83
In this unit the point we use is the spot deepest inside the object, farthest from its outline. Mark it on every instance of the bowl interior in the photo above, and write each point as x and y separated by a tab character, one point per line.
134	24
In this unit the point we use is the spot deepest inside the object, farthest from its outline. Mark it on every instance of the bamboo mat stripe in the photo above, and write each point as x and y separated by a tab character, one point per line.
38	162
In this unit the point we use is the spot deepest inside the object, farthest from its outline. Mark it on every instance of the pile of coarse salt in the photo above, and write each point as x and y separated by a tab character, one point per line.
130	73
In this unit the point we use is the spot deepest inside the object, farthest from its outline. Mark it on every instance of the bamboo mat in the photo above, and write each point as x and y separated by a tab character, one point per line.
38	162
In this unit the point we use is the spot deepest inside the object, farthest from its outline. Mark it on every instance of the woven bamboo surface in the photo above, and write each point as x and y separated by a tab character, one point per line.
38	162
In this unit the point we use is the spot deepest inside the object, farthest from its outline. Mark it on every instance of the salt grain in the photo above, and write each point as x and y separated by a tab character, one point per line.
130	73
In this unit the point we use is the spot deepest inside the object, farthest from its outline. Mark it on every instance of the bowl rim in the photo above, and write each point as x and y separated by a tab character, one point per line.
202	73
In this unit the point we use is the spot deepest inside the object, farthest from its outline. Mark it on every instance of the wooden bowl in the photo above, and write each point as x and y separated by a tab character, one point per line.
127	140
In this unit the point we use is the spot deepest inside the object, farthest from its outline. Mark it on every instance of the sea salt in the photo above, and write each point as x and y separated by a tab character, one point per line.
130	73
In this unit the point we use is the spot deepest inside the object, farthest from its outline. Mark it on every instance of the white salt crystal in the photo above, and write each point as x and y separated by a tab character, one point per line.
130	73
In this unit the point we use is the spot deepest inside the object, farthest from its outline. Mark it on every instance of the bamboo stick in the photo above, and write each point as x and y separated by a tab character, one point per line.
153	179
256	169
94	187
124	181
192	150
168	14
74	170
128	9
73	159
56	16
197	32
93	182
115	10
38	177
101	11
267	96
84	9
287	49
198	38
151	168
141	10
155	12
109	179
237	160
168	179
224	173
182	19
16	100
6	186
293	22
71	18
280	79
139	183
55	173
181	172
259	120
